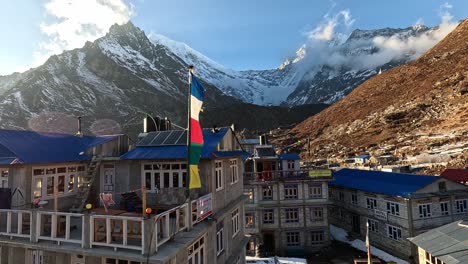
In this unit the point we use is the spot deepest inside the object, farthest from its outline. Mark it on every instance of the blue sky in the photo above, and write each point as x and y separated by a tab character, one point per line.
241	34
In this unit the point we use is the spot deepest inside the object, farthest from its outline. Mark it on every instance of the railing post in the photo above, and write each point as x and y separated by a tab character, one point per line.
148	237
34	227
87	228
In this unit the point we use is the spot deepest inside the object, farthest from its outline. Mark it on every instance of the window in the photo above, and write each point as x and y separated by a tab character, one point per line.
196	252
268	216
393	208
461	206
219	175
235	222
249	220
234	172
292	215
371	203
316	214
119	261
291	165
36	257
424	210
161	175
354	198
373	225
317	237
219	241
64	179
315	191
293	239
394	232
442	186
290	191
250	195
432	260
444	209
341	194
3	178
267	193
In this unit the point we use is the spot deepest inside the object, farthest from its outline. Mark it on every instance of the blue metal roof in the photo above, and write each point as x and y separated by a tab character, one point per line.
36	147
396	184
227	154
363	156
210	139
289	156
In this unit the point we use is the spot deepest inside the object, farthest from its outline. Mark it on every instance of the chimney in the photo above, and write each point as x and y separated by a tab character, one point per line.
79	133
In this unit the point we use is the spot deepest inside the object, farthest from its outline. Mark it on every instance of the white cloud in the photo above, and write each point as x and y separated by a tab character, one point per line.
323	46
78	21
326	29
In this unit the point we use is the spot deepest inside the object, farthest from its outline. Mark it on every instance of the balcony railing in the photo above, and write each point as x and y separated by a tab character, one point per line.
285	175
126	231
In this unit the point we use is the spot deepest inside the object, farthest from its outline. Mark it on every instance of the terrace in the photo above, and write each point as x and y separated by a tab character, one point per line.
114	229
287	175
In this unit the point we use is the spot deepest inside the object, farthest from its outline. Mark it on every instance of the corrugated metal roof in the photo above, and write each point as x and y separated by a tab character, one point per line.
455	174
448	243
227	154
289	156
265	151
34	147
396	184
210	139
250	141
363	157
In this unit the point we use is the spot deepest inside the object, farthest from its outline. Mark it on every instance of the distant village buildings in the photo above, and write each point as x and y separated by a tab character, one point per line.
396	206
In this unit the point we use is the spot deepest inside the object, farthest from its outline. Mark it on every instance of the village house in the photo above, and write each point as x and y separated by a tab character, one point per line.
287	208
443	245
396	206
149	216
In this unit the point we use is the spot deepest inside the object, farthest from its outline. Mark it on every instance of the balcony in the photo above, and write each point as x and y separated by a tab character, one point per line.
287	175
114	229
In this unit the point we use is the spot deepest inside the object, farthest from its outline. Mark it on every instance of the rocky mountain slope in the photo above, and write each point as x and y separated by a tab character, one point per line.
419	111
111	82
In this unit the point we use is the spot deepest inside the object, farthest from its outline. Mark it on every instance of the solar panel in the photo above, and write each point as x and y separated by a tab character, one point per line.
157	141
183	139
173	137
147	139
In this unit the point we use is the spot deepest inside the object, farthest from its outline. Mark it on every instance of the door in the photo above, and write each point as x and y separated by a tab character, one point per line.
355	221
108	178
269	243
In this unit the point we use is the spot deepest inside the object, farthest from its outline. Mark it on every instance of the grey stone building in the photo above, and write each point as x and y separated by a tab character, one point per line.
50	175
287	208
396	205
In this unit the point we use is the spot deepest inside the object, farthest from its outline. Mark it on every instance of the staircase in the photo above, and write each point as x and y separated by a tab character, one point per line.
84	187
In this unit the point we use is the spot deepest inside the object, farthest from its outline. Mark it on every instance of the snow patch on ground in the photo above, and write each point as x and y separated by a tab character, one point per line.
255	260
341	235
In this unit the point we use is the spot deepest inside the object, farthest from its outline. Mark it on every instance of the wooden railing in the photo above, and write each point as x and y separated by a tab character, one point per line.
285	175
15	223
58	226
144	234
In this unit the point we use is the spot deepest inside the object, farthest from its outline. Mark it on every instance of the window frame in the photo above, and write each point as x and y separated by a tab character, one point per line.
72	177
317	234
393	208
315	191
293	239
354	199
268	189
235	222
294	189
158	171
219	241
392	230
291	215
313	216
371	203
373	225
463	209
425	210
219	179
234	170
4	173
447	208
270	212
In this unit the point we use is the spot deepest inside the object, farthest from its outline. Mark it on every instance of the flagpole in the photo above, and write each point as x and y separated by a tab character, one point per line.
187	179
369	258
